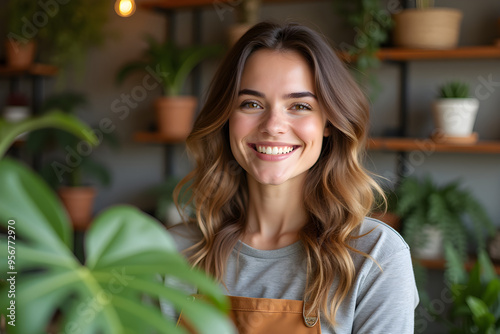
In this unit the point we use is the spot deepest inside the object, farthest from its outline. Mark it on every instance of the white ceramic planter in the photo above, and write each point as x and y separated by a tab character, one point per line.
455	117
433	249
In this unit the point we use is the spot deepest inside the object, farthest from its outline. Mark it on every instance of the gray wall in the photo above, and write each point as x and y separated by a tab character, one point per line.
138	167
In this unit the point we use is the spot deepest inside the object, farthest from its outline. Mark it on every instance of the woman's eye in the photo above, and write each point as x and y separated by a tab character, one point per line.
301	106
250	105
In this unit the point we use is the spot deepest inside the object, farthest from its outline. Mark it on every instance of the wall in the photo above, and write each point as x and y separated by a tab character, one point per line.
139	167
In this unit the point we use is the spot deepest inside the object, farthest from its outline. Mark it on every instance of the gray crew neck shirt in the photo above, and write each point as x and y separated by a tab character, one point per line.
378	302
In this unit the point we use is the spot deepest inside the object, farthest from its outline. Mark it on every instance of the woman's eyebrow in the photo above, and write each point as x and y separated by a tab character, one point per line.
250	92
299	95
286	96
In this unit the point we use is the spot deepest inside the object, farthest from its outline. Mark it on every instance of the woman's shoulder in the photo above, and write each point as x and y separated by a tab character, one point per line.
378	239
185	235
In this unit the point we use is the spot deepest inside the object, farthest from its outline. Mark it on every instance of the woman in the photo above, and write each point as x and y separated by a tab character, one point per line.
281	197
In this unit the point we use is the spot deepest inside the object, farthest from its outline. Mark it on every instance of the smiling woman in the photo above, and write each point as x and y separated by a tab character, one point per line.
281	197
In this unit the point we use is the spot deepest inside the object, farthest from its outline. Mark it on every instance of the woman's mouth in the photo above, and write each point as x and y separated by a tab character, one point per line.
273	150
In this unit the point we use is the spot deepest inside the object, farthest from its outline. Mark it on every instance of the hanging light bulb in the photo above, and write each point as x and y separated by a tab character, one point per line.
125	8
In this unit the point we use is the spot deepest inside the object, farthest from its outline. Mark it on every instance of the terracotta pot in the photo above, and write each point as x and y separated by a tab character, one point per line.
389	218
431	28
175	116
19	55
79	202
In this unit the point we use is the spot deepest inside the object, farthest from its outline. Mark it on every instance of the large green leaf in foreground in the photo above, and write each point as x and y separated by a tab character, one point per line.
126	253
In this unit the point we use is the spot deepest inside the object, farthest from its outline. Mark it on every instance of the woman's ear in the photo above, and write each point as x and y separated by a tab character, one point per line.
328	130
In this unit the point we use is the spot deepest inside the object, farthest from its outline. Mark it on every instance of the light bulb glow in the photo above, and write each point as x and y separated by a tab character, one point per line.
125	8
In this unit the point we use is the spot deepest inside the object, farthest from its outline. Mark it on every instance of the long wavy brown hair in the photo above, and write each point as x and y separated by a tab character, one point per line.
338	192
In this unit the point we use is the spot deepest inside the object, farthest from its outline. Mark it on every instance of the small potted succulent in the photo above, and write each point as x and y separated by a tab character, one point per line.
172	64
454	111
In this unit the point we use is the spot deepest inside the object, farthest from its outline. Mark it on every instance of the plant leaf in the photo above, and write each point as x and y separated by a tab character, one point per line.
54	119
113	236
28	200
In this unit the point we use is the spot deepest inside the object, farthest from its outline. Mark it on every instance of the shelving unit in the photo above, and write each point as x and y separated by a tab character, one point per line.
36	73
403	144
419	144
440	264
401	57
184	4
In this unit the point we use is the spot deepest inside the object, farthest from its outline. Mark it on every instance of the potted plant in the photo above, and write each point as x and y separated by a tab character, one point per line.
174	113
71	30
427	27
70	176
20	43
434	215
63	32
126	251
455	113
384	209
475	297
371	23
246	15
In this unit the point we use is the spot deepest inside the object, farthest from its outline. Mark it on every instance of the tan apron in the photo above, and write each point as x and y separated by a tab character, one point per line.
263	315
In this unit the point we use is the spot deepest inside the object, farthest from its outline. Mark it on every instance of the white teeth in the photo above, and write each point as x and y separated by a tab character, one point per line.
274	150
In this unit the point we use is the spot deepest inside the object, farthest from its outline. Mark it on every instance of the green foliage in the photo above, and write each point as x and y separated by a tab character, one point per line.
164	195
371	24
247	11
454	90
476	298
423	4
54	119
53	172
18	11
126	250
424	203
171	63
77	26
69	29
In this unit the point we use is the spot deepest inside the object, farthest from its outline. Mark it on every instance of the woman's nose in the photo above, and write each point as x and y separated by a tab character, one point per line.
274	122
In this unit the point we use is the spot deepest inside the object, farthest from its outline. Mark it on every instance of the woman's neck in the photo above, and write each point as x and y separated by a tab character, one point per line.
276	214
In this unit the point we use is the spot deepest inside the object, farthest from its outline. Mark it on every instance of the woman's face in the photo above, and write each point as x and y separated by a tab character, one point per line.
276	128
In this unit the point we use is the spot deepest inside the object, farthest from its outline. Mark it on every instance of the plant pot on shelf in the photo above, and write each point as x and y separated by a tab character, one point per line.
455	117
430	28
79	202
433	247
389	218
175	116
19	55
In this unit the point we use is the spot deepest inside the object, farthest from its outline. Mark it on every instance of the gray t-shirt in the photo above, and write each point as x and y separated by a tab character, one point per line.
379	301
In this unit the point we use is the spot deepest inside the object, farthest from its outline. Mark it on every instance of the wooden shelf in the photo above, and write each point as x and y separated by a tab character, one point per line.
154	138
464	52
422	144
439	264
403	54
35	69
178	4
